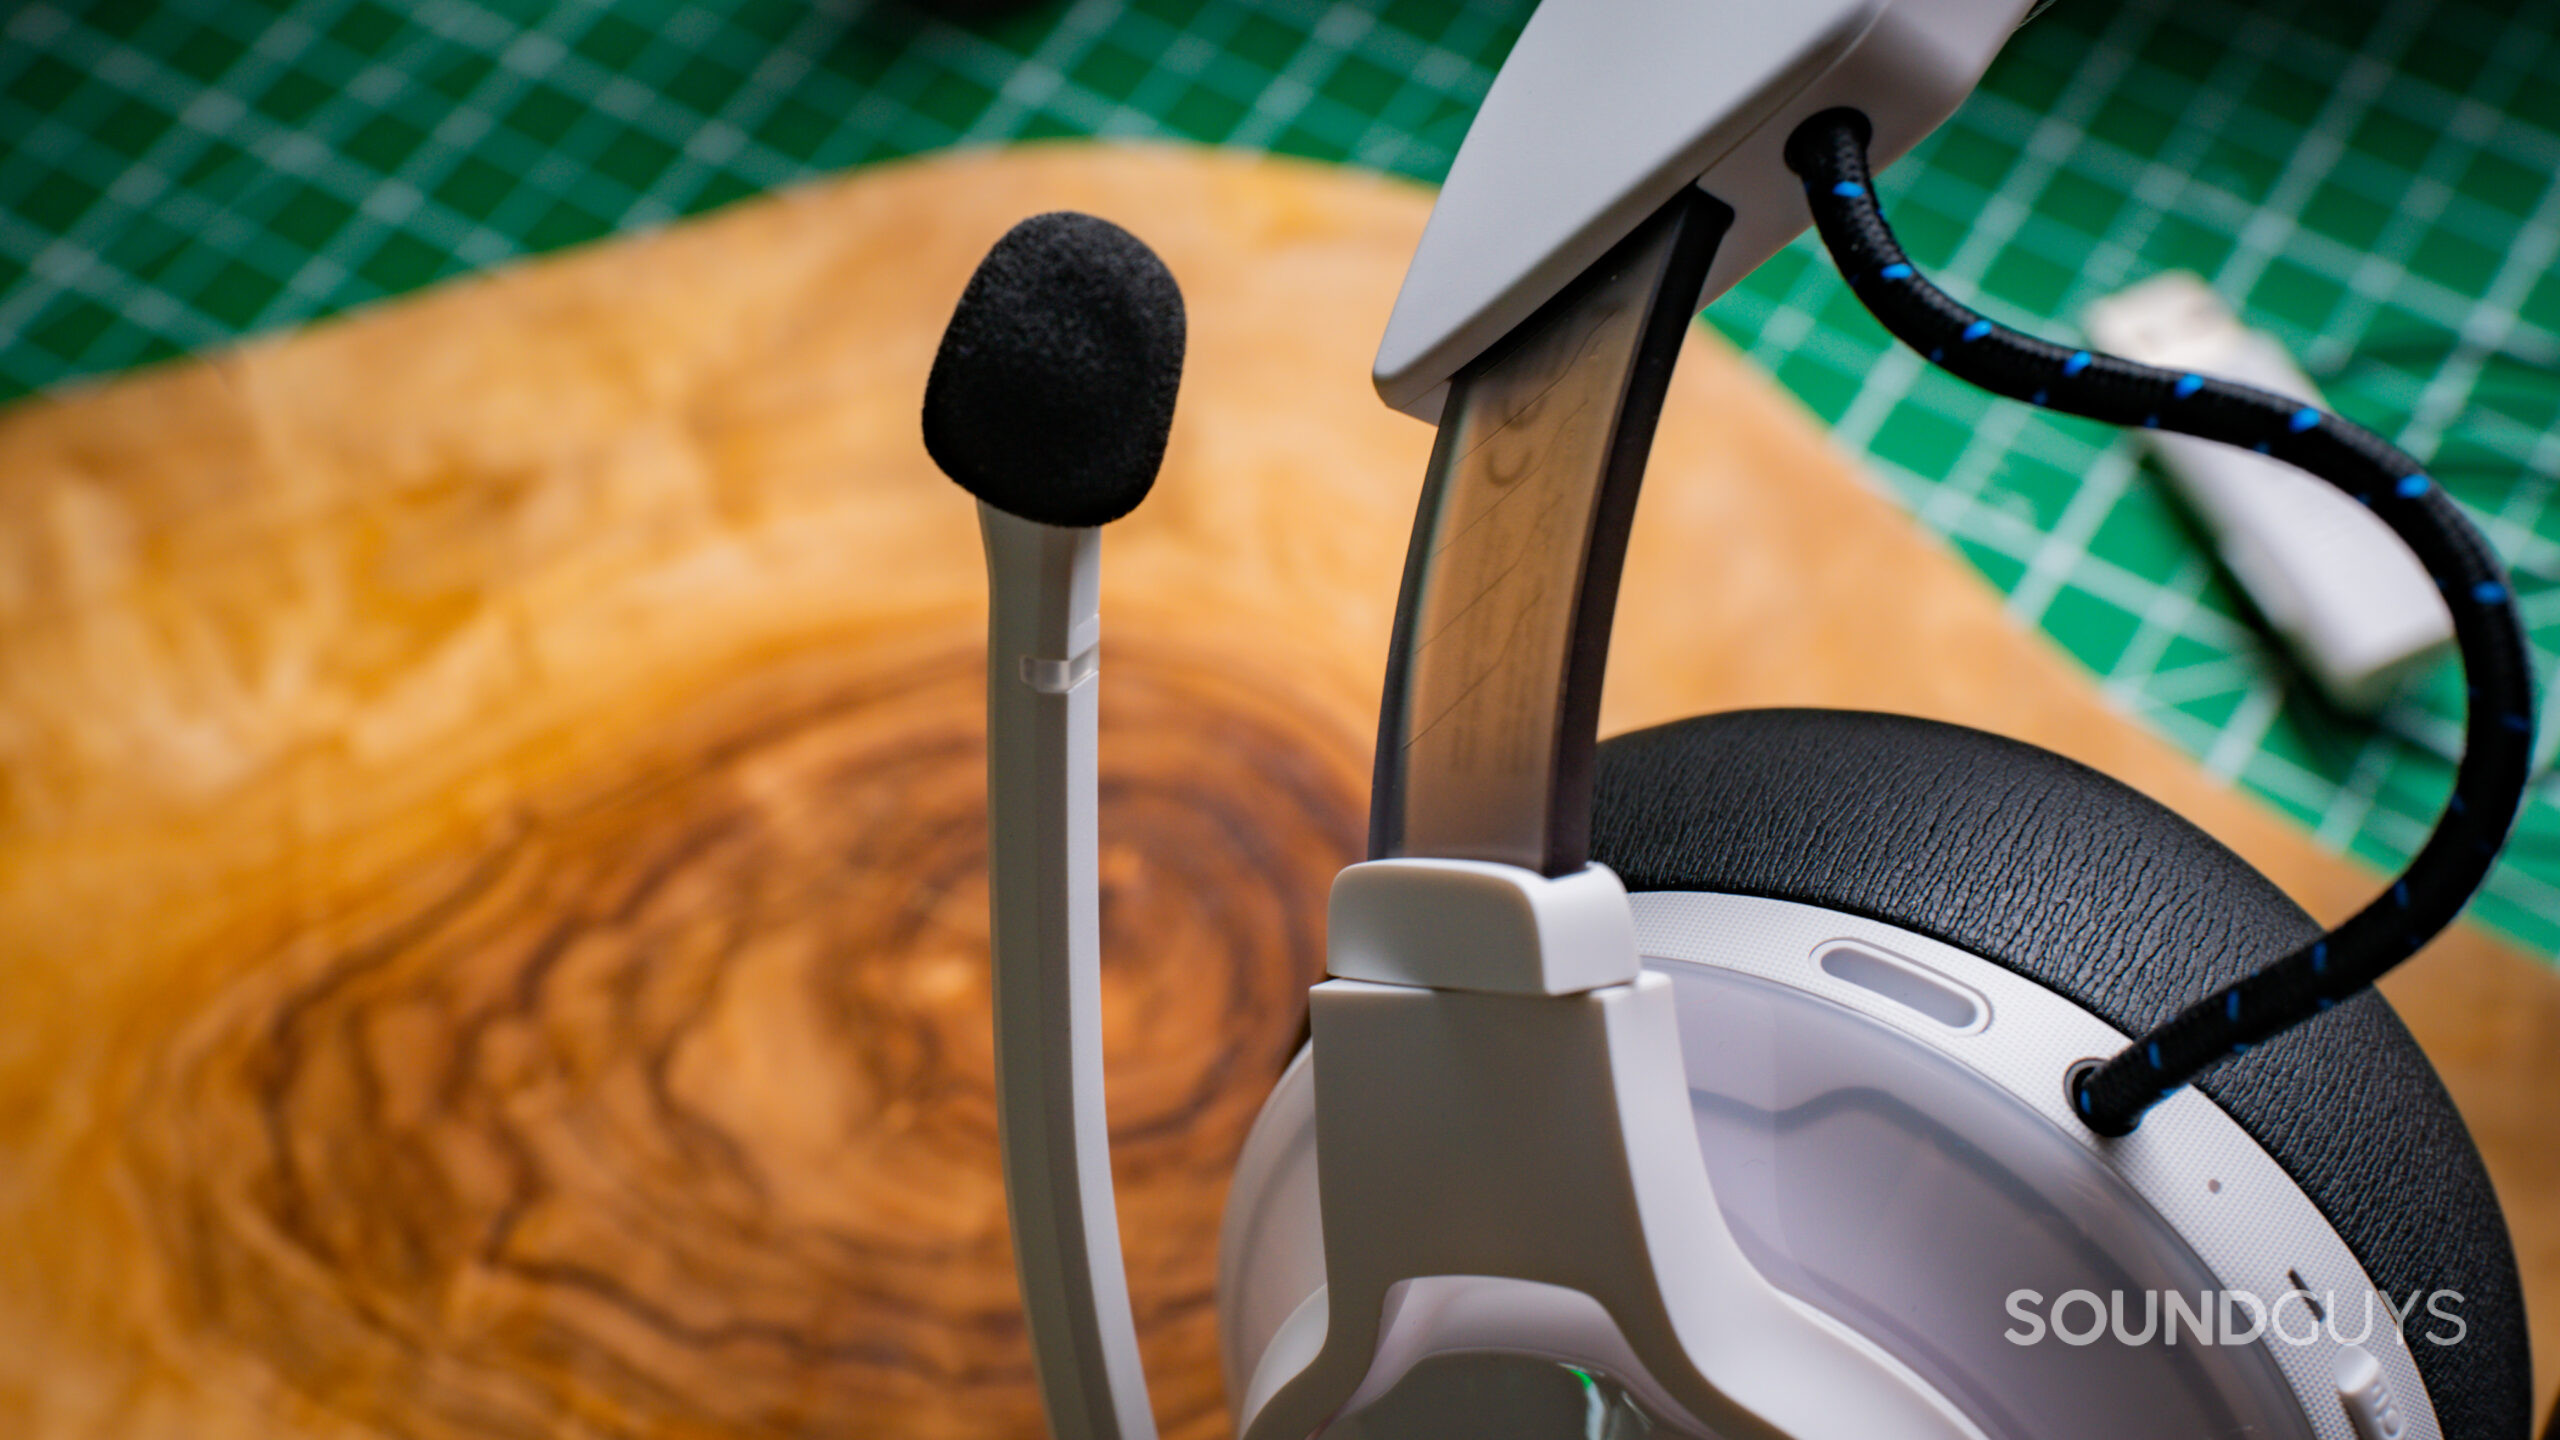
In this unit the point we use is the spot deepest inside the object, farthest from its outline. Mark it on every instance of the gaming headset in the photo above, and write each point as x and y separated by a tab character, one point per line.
1806	1074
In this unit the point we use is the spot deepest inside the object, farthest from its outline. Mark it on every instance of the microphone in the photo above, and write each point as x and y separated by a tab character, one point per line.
1050	400
1053	390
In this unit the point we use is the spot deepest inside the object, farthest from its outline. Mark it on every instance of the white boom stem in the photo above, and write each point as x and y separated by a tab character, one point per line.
1043	633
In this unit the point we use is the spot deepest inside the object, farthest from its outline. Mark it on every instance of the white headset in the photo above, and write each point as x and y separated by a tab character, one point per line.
1716	1157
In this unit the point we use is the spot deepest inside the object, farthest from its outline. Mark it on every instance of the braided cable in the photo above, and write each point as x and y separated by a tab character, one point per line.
1830	152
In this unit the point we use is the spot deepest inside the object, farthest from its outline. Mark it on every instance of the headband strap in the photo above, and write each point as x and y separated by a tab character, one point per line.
1502	628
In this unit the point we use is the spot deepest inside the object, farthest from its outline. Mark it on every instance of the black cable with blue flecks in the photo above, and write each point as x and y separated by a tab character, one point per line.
1830	152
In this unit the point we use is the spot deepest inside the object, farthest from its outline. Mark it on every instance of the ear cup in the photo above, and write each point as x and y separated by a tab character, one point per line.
2057	873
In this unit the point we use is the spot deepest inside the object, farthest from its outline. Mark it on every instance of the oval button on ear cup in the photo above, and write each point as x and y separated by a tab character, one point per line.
2067	878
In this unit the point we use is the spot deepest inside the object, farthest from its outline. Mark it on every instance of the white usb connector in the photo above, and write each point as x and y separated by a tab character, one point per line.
2346	595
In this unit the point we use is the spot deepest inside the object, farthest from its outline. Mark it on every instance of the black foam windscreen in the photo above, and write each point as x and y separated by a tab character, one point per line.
1053	391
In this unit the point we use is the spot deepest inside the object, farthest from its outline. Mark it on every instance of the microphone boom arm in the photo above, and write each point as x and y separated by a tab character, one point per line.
1043	635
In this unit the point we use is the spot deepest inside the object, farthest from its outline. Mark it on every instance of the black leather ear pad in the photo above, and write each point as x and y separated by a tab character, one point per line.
2050	869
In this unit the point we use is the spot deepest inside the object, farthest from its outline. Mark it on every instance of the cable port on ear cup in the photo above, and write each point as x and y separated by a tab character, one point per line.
2075	1093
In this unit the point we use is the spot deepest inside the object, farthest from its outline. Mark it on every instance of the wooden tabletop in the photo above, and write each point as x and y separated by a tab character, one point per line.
491	830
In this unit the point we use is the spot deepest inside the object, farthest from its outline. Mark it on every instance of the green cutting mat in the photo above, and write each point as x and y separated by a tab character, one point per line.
2370	181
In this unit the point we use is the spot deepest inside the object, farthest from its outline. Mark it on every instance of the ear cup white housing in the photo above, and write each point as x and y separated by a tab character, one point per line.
1879	1101
1869	1166
2056	873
